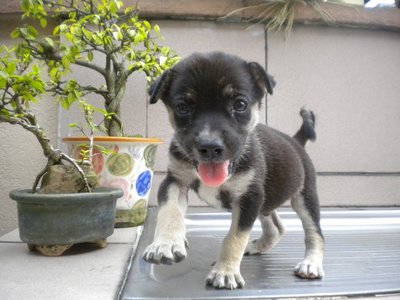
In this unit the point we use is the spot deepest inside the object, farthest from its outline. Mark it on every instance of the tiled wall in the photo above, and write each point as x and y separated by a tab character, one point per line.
349	77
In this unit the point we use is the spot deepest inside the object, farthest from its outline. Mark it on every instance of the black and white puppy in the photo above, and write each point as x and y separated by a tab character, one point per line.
231	161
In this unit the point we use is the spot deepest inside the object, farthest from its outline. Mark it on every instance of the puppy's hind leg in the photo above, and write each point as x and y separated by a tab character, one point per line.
305	203
272	232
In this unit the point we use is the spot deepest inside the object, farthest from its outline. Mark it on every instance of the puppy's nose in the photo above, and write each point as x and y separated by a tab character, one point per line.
210	150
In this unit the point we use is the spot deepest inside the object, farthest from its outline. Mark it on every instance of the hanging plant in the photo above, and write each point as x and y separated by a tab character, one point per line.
279	15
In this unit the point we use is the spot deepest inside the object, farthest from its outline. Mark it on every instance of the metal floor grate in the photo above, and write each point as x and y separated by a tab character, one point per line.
362	257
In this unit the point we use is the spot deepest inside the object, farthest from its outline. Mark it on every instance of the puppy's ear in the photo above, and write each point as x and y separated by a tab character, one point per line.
262	78
158	87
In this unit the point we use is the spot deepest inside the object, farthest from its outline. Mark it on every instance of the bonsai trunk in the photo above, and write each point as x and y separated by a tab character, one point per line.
54	156
113	106
114	126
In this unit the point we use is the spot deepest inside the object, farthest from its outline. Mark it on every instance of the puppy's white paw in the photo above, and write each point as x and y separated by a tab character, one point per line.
166	252
223	278
252	248
260	246
309	269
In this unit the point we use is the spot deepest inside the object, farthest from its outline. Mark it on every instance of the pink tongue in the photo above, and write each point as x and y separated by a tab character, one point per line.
213	174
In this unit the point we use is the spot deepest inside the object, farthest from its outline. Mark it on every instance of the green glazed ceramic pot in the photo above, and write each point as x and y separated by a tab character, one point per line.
57	221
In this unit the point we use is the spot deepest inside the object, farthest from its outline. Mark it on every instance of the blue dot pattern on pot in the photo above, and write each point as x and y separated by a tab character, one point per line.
143	183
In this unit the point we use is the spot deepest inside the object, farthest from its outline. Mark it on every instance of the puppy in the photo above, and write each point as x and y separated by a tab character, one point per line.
231	161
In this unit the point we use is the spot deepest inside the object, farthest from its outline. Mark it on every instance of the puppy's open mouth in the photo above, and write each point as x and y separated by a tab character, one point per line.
214	174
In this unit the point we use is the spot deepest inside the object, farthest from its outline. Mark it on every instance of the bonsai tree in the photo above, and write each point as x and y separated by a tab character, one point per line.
92	31
21	85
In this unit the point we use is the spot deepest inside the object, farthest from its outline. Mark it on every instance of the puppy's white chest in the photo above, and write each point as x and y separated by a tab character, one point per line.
229	192
210	195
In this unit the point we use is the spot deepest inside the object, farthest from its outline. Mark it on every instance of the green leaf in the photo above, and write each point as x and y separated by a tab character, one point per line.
90	56
97	39
147	24
3	83
65	103
43	22
65	61
107	40
69	36
49	41
128	10
56	30
63	27
16	33
54	74
87	33
4	75
113	7
73	125
38	85
36	69
4	112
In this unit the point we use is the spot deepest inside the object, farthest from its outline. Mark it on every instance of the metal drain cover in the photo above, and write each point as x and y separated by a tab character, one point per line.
362	257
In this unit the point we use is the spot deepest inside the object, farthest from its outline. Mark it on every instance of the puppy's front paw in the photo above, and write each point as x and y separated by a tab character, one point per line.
309	269
220	277
166	252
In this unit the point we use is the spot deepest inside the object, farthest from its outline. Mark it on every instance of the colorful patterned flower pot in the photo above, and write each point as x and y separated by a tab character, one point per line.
128	166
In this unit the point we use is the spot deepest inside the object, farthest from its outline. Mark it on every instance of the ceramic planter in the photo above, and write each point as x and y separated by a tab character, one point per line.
128	166
51	223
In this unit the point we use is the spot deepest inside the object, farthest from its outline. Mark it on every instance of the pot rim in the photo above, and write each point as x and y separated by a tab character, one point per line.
113	139
101	193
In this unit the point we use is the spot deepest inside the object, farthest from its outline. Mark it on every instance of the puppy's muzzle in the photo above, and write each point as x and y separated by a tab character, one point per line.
212	166
210	150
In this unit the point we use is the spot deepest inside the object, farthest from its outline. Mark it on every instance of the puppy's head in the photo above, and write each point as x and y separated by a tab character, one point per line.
213	102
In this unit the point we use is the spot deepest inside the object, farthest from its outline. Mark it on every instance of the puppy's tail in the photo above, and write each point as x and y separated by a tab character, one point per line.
307	129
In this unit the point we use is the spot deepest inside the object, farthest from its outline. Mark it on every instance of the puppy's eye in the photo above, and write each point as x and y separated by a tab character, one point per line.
240	105
182	109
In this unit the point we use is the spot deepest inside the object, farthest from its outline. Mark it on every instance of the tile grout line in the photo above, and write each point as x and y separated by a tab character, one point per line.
132	255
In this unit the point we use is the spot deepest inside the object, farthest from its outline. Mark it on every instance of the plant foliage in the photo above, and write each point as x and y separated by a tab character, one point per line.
21	84
99	35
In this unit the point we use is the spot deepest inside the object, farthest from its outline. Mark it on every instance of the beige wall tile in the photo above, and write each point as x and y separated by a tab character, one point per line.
348	77
359	190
